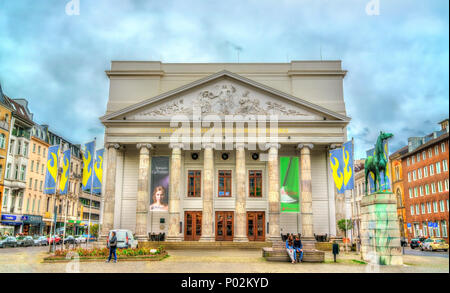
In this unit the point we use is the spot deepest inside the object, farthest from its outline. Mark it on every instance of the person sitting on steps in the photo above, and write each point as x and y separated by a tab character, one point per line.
290	248
298	247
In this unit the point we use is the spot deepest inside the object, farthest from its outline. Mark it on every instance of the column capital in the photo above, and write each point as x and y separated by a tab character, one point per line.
209	145
176	145
144	145
112	145
308	145
240	145
273	145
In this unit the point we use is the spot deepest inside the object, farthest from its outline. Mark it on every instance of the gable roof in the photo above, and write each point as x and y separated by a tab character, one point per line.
215	76
20	111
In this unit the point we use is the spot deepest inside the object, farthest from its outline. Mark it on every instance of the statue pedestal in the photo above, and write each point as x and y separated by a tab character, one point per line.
380	234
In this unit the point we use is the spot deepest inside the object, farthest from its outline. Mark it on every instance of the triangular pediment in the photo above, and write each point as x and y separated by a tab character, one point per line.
225	93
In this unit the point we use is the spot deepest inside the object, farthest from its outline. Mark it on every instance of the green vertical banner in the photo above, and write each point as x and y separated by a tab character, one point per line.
289	185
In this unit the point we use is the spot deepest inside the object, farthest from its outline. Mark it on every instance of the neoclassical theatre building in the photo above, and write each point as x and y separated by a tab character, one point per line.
174	165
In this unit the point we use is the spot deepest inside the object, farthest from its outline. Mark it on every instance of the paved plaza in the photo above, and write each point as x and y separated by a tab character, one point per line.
29	260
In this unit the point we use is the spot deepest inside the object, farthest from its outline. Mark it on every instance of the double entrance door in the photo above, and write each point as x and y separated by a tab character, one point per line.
193	226
224	226
255	226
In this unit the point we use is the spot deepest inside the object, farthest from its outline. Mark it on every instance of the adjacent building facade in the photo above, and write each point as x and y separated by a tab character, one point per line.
357	195
223	188
426	184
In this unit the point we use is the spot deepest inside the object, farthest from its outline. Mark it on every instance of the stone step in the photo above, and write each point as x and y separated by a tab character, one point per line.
271	254
205	245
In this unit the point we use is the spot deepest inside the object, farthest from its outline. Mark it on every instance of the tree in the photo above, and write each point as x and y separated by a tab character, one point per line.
94	230
344	225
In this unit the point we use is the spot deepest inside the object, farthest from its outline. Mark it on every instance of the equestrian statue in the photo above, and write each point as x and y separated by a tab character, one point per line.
377	162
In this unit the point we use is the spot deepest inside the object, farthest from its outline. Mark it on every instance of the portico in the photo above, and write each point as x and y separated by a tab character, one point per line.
224	176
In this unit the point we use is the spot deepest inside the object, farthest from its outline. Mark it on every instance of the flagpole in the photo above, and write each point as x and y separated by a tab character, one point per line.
66	207
92	186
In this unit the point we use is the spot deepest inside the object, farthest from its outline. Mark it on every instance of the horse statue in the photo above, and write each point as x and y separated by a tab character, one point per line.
377	162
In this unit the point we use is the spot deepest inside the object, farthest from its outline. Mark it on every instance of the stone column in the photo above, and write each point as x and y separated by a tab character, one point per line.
208	193
110	190
174	190
240	234
143	197
274	193
306	196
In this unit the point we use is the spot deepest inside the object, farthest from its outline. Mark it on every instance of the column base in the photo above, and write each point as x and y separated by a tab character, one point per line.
207	239
274	238
173	239
240	239
309	243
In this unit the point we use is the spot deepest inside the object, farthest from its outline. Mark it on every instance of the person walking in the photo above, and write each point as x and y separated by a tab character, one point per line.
298	247
335	250
112	244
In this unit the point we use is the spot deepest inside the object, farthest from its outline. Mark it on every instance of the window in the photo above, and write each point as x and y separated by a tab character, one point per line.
409	176
441	206
25	149
425	171
444	165
424	155
37	167
431	169
429	207
417	210
255	183
194	183
422	206
5	198
22	173
8	171
414	175
28	202
440	186
430	153
397	173
39	205
11	147
446	184
421	190
16	173
19	147
413	160
435	208
224	183
436	150
40	186
424	228
32	165
418	158
407	162
34	147
438	230
31	183
419	173
438	167
32	206
2	141
39	150
42	169
35	184
427	189
433	188
443	147
444	228
412	210
415	192
410	193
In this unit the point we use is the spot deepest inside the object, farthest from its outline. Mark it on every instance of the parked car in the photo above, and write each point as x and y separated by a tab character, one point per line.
25	241
125	238
69	240
434	244
6	241
54	238
80	239
40	240
90	237
415	242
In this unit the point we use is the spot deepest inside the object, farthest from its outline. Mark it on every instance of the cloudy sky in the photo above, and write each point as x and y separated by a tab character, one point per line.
397	59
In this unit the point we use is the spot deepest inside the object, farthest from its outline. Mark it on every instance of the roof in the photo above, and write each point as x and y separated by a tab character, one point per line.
20	111
399	152
4	100
425	145
215	76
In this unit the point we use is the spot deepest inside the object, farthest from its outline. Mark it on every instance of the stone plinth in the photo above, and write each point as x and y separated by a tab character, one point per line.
380	235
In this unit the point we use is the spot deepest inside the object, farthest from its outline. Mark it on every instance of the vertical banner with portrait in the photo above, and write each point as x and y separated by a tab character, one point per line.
159	190
289	185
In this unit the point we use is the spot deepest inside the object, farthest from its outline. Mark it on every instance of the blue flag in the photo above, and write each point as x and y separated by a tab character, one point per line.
337	166
51	175
64	182
98	171
347	152
88	163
